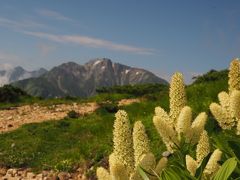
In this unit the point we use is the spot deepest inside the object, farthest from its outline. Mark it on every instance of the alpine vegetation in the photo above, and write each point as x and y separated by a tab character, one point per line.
192	152
202	151
122	140
178	125
177	96
234	75
140	142
227	112
130	151
212	166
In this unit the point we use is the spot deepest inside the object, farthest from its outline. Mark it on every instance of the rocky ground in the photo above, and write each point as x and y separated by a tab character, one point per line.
26	174
15	117
125	102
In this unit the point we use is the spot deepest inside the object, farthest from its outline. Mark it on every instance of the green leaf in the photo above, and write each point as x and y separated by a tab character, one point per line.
226	170
174	173
200	169
142	173
235	147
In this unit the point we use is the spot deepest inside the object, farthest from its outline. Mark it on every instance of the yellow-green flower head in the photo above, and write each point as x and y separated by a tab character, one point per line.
162	163
224	99
117	170
238	128
122	140
140	142
102	174
223	117
166	131
198	127
235	104
177	95
160	112
184	121
203	147
234	75
212	165
148	162
192	165
135	176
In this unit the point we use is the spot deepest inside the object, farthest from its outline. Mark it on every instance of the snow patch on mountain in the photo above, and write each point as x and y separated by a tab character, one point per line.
97	62
126	71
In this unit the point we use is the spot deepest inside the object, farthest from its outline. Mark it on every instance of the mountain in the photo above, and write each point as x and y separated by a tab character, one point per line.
82	80
12	74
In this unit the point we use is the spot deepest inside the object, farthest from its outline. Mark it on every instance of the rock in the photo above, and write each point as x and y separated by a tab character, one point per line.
10	172
3	171
21	173
75	106
166	153
83	177
64	176
45	173
39	176
10	125
9	118
31	175
52	176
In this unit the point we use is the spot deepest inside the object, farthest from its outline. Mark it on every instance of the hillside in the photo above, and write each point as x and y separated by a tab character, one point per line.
87	140
211	76
71	79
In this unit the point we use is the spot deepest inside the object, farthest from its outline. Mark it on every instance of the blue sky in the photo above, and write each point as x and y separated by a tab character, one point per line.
189	36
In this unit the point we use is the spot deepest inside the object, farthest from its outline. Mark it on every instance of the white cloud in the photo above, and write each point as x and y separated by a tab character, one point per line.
91	42
19	24
53	14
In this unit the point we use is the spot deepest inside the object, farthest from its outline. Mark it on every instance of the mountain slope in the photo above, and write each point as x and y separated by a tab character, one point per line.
82	80
10	74
211	76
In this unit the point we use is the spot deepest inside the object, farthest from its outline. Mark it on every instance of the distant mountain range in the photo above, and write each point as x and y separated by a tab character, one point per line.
82	80
12	74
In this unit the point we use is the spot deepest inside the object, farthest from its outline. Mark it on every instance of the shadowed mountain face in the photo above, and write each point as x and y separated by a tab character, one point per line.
82	80
9	75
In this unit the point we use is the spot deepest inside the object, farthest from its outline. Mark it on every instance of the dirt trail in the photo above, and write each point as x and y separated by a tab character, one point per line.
125	102
15	117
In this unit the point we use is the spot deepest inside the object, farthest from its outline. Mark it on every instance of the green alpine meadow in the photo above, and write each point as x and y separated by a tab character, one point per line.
119	90
174	131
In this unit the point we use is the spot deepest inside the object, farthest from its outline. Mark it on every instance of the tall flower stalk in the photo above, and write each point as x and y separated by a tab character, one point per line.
227	112
130	151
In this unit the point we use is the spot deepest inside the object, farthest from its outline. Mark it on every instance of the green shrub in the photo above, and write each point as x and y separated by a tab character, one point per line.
110	107
11	94
211	76
73	114
15	158
135	90
65	165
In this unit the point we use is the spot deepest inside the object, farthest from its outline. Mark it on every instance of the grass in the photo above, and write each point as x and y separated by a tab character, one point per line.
201	95
88	139
46	144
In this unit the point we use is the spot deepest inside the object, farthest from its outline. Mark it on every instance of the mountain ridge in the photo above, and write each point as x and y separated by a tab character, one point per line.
10	74
72	79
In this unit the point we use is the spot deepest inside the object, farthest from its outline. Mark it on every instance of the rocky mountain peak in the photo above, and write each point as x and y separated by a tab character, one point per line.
82	80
